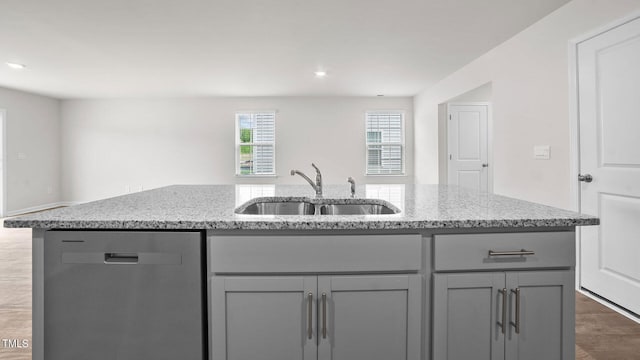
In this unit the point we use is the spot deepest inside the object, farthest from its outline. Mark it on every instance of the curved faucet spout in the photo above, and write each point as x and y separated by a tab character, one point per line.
317	186
294	172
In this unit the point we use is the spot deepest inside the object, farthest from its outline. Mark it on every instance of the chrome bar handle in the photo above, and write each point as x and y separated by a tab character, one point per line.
517	323
511	253
324	315
310	316
503	324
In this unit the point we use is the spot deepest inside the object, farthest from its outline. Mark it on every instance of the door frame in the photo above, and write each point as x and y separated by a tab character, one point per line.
445	168
574	141
3	168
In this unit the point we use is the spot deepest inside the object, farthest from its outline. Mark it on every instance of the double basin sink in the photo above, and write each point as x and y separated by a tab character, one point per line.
318	206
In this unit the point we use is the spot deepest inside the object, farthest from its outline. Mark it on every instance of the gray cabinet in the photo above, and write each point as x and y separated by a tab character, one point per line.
262	318
369	317
469	310
547	315
514	307
465	316
316	317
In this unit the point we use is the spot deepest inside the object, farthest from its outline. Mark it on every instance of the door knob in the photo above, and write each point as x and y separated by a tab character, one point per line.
586	178
485	165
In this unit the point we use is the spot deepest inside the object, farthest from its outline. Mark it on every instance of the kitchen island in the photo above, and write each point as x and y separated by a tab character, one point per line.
456	274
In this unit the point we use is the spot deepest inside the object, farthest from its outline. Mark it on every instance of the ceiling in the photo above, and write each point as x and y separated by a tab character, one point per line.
186	48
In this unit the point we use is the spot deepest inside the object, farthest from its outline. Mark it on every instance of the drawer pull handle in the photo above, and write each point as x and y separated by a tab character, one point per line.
522	252
310	313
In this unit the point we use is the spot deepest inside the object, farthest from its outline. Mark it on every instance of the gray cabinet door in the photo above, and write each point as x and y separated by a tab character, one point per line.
467	316
263	318
369	317
547	315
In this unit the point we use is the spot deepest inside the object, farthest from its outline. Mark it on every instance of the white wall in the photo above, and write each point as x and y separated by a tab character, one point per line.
109	145
530	96
33	129
480	94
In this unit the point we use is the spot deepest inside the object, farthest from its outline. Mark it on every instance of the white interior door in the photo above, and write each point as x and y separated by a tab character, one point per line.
468	146
609	115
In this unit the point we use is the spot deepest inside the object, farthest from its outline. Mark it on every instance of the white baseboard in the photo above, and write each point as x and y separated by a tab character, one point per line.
71	203
610	305
38	208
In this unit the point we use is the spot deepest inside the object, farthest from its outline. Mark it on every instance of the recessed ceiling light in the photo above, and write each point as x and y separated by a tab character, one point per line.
16	66
320	73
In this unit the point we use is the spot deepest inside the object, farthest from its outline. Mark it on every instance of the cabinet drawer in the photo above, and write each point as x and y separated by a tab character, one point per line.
471	251
314	253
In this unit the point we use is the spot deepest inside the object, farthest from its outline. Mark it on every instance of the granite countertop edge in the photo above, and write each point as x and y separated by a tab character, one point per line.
300	225
212	207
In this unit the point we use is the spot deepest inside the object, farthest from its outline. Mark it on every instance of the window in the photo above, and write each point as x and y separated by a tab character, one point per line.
385	143
246	192
393	193
255	143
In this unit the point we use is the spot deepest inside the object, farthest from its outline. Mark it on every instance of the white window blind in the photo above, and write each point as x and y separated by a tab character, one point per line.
255	143
393	193
246	192
385	143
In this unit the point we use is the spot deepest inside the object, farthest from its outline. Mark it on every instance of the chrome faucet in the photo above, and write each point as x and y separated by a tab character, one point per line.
353	186
317	186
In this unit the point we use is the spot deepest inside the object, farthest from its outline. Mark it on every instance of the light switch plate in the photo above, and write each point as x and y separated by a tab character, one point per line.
22	156
541	152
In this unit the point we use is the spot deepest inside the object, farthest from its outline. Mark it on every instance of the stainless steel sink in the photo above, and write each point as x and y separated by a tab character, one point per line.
307	206
355	209
278	208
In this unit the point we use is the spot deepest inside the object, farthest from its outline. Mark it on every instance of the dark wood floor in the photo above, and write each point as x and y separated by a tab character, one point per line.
601	333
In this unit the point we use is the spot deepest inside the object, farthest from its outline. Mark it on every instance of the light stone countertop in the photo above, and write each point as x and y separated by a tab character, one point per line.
212	207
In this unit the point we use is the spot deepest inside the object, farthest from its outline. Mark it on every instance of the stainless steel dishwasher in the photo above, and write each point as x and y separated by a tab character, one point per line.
131	295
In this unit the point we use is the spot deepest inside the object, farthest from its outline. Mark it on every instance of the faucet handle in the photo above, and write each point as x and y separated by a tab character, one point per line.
318	175
318	185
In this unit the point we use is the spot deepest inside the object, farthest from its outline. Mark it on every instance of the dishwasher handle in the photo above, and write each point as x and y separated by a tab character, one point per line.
121	258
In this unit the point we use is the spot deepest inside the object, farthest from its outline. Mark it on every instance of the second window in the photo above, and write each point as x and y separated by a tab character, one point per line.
385	142
255	143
